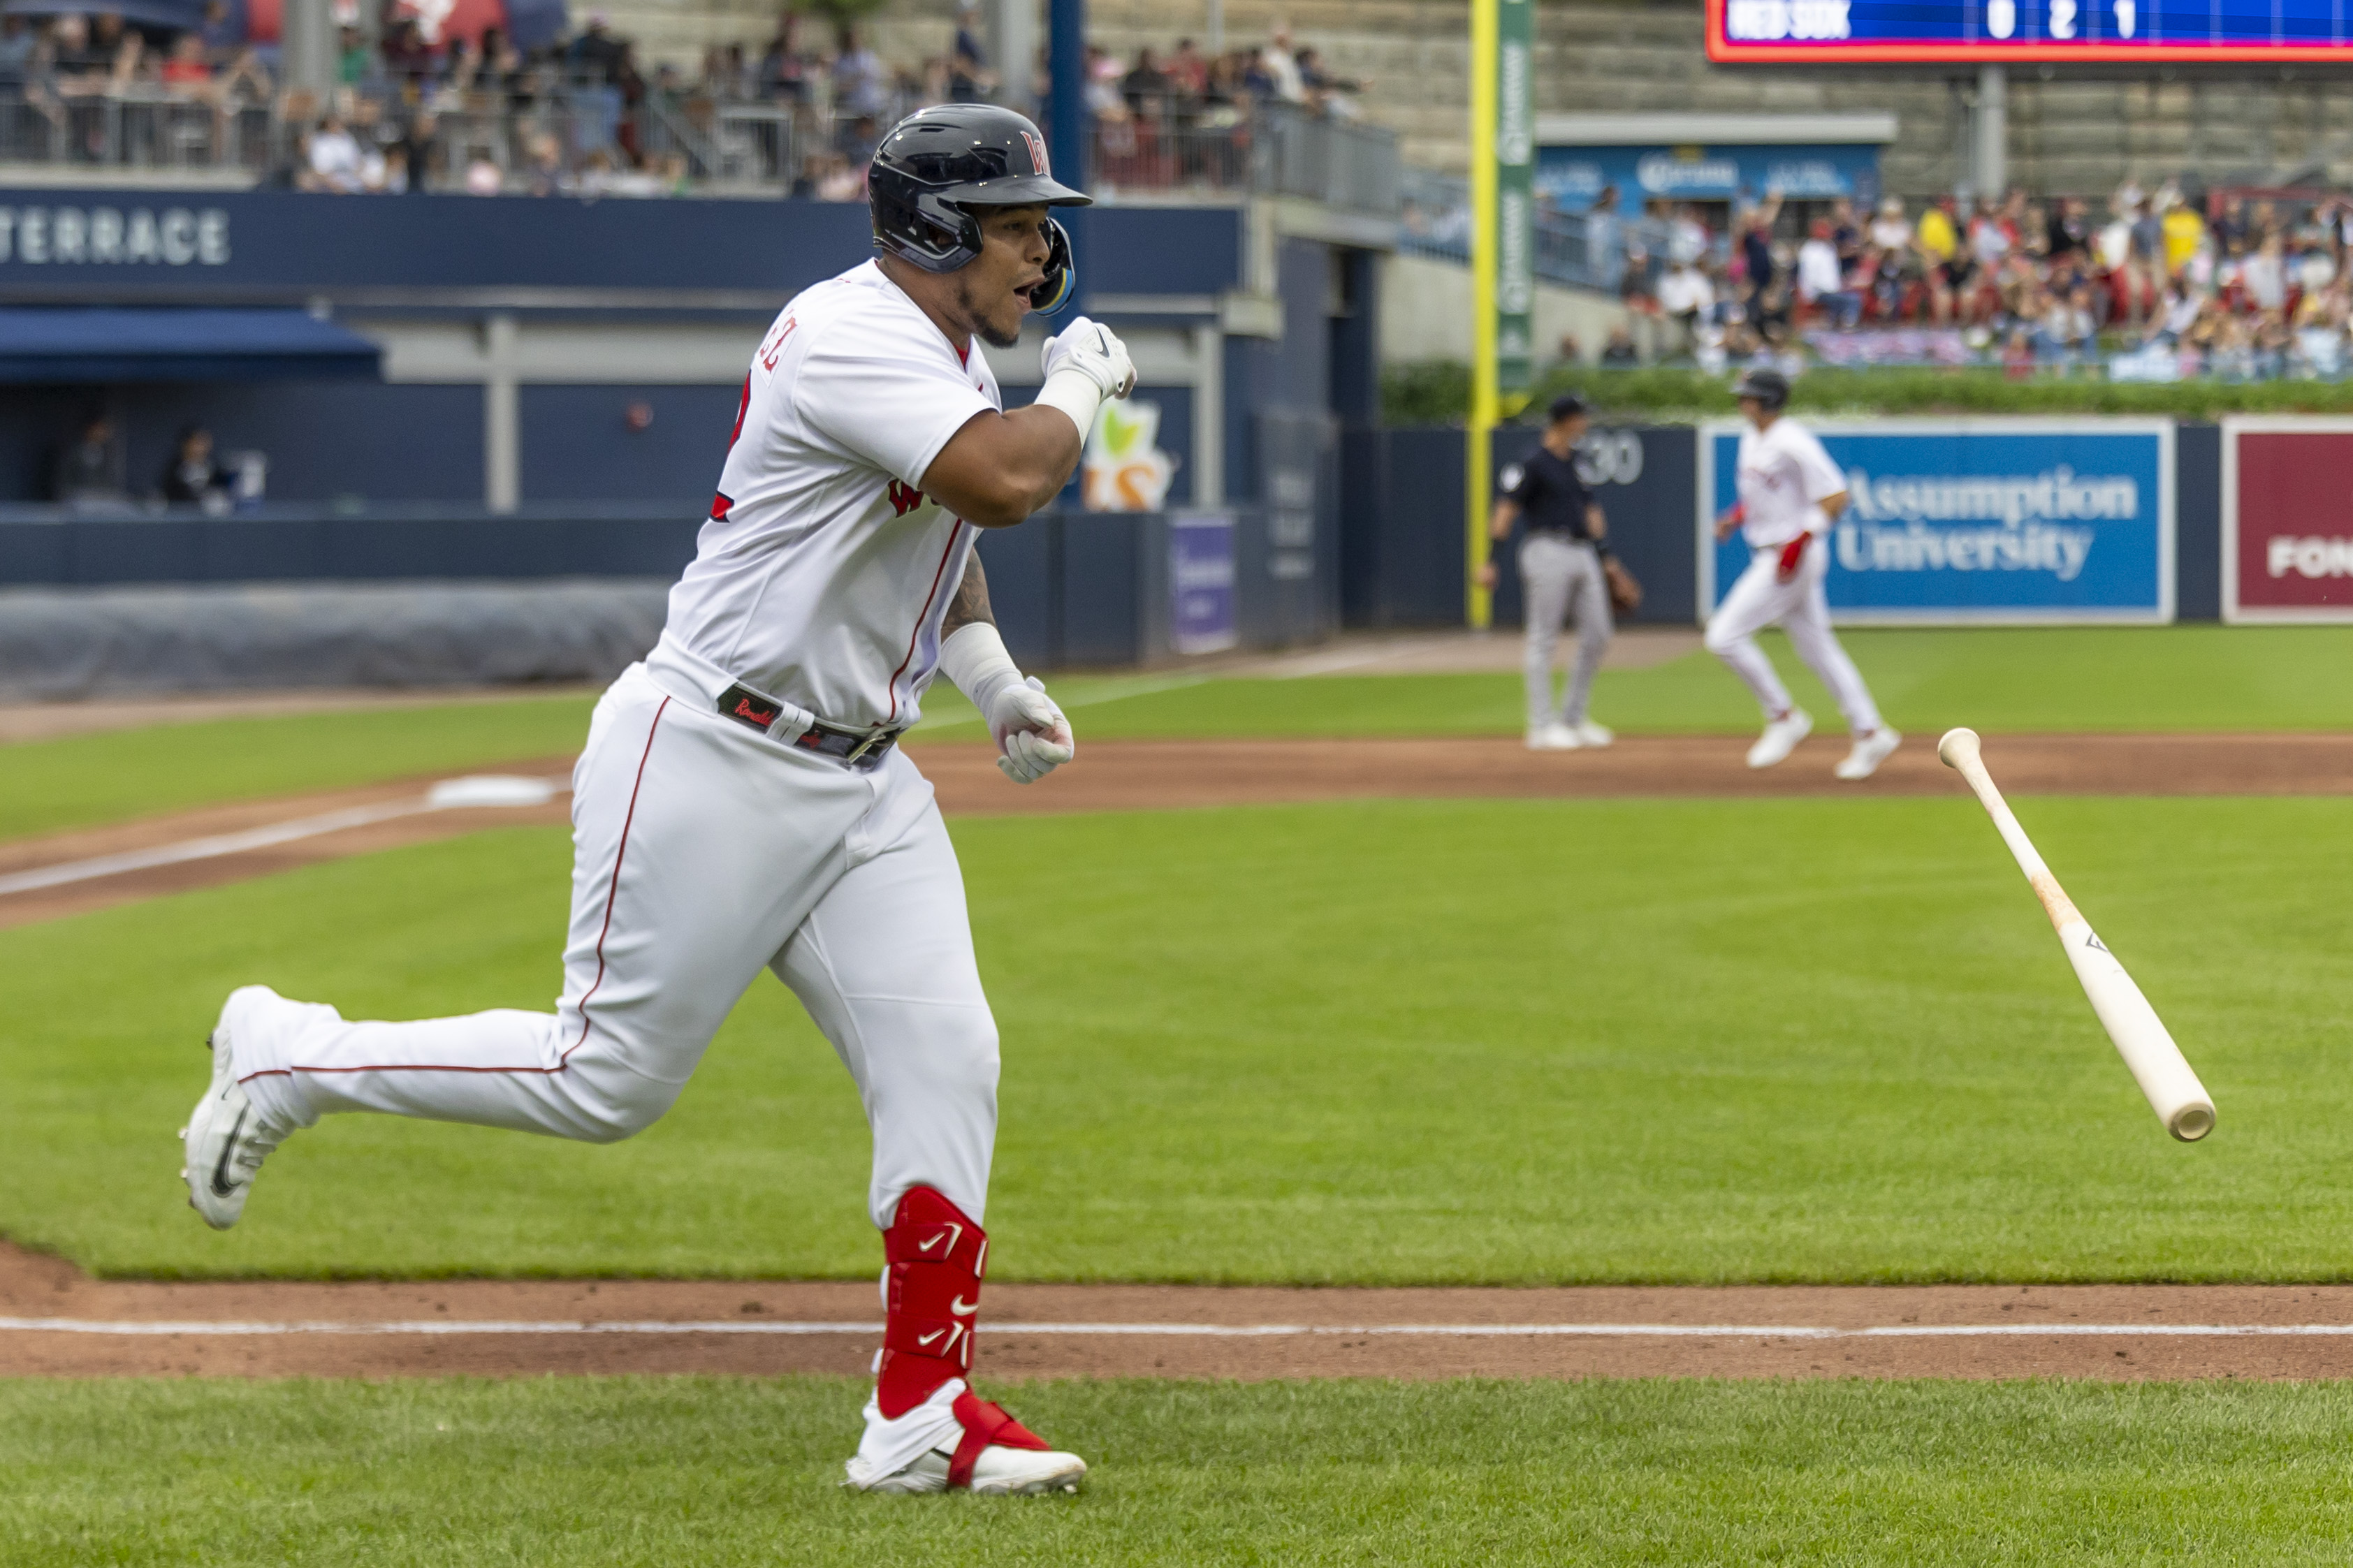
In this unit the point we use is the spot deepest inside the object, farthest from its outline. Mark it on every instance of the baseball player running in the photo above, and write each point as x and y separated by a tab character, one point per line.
742	803
1790	492
1560	560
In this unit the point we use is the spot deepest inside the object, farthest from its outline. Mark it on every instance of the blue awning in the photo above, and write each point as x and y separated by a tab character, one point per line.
47	345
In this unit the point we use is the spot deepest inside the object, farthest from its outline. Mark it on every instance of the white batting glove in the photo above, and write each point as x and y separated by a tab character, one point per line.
1094	350
1032	736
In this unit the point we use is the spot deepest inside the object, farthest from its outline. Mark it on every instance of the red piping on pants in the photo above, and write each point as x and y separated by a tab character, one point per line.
611	889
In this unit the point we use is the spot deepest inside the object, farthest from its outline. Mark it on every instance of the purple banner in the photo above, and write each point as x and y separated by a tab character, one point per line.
1201	581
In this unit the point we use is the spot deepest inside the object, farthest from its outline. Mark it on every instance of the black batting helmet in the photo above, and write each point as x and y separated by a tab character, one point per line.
939	164
1769	387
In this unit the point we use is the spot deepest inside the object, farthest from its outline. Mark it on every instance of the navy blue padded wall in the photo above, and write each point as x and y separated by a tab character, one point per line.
578	443
2198	522
277	245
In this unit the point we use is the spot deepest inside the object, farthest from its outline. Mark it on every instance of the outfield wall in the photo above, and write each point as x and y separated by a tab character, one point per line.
1364	531
425	597
2039	540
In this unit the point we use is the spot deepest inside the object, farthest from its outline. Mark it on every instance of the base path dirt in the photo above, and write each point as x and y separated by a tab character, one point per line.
1148	775
56	1321
1112	775
82	854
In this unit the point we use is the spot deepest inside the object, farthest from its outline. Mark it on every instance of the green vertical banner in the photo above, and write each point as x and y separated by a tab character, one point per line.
1516	200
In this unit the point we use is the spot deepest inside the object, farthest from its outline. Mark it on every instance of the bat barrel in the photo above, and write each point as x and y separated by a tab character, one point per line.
2140	1036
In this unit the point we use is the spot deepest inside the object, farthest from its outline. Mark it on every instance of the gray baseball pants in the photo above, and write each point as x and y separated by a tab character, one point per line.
1557	577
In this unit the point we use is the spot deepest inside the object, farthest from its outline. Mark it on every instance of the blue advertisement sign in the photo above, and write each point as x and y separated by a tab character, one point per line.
1961	521
1201	581
1572	178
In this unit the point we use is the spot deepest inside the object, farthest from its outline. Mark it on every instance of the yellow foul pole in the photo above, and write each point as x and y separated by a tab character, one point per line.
1485	252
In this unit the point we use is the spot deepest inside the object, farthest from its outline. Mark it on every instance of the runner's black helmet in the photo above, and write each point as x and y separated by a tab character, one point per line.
939	164
1769	387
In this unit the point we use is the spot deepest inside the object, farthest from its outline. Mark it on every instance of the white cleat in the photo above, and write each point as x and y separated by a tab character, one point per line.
1554	738
916	1451
1592	736
1870	750
999	1471
226	1138
1780	738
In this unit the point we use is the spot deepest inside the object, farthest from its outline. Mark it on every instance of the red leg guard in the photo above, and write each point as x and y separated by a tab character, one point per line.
937	1257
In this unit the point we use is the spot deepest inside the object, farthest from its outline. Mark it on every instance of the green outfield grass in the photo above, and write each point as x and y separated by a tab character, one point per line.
1997	679
1379	1042
78	780
719	1472
1994	679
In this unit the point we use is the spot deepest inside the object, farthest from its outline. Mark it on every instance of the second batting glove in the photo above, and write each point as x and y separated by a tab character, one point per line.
1033	738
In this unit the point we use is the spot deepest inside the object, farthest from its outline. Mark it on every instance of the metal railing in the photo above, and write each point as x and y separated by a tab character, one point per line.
760	144
138	126
1338	162
1266	149
1581	250
553	137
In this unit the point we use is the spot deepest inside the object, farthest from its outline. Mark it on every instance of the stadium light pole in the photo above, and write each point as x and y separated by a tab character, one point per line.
1990	157
1066	119
1066	148
1013	37
308	51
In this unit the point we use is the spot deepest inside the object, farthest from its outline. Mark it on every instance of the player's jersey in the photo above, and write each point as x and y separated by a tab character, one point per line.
825	572
1784	477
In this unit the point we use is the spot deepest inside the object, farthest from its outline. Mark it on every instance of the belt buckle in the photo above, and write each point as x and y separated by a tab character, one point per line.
868	742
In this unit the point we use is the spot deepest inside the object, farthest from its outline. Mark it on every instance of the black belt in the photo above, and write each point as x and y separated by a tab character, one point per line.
863	748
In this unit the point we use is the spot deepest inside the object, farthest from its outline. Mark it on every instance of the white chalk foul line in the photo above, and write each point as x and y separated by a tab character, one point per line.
252	838
442	1326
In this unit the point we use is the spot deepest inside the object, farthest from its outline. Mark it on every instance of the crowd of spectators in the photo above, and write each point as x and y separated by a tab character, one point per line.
2165	284
413	110
49	67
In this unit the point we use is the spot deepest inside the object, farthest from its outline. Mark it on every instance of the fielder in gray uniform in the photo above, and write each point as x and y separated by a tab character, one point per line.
1561	575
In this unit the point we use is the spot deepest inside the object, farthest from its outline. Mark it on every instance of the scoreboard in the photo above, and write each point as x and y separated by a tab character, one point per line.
2043	32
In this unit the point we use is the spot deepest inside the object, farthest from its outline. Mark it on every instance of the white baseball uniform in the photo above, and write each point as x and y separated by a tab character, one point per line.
1784	476
707	846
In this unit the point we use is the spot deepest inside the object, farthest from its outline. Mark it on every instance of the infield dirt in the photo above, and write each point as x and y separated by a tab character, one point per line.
1153	775
535	1327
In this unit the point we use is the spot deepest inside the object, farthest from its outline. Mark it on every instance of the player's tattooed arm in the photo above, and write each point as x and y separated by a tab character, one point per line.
971	601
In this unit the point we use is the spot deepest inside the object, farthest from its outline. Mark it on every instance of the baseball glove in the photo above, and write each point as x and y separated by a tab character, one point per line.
1625	591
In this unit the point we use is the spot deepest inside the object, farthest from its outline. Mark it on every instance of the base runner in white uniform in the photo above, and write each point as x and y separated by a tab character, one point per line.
1790	493
741	803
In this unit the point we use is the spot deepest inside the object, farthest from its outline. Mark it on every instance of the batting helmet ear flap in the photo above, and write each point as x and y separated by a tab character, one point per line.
1062	273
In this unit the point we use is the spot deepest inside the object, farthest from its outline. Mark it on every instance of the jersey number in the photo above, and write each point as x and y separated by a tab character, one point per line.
776	345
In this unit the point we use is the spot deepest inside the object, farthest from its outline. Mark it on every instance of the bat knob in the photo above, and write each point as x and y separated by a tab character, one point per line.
2192	1122
1957	747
